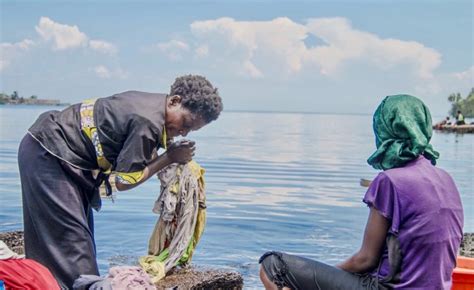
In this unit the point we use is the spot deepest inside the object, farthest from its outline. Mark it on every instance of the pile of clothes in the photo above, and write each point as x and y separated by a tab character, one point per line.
182	208
119	277
16	272
181	205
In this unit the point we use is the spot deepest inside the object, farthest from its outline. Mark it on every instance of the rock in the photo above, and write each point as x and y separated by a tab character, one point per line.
14	240
467	245
200	278
183	278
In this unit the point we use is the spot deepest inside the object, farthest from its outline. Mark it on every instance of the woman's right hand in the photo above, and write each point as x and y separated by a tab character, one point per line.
181	152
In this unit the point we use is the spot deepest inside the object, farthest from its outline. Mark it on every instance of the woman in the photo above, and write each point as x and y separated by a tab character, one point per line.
121	133
415	222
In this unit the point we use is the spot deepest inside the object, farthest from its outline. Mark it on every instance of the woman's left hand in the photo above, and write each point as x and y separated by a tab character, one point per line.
181	152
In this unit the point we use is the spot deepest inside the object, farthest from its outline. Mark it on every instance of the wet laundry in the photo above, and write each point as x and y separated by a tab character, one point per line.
119	277
182	209
91	282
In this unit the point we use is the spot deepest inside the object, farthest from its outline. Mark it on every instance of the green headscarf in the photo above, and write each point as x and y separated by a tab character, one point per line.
402	127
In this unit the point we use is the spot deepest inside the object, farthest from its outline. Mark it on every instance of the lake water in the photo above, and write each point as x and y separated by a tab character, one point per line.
278	181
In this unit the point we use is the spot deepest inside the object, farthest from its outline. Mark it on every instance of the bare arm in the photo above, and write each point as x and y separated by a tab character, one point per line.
155	165
369	254
177	153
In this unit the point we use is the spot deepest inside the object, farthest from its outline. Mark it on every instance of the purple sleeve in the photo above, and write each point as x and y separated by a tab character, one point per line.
382	196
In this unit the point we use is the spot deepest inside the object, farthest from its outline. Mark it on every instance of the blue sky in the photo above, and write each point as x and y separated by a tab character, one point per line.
311	56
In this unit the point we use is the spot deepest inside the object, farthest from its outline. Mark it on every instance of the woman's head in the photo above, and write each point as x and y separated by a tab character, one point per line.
192	103
403	129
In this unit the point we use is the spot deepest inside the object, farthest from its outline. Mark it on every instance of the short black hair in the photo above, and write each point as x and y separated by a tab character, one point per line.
198	96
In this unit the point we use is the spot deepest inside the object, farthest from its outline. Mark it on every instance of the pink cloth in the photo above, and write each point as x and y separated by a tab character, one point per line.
129	277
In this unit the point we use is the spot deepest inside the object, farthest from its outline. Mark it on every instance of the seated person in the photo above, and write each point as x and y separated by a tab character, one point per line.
444	122
460	119
415	221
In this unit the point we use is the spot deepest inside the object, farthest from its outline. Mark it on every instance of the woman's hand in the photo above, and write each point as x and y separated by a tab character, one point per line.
178	152
181	151
370	253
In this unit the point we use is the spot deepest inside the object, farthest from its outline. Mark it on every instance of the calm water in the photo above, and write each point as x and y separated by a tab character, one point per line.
274	181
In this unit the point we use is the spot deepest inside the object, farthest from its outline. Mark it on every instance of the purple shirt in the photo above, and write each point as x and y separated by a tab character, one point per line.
425	213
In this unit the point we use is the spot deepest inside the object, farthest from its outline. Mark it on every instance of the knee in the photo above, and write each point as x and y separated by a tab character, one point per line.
265	281
263	276
273	270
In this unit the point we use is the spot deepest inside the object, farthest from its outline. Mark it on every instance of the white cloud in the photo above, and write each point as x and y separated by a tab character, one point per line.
202	51
9	51
344	43
280	39
66	36
102	72
250	69
447	83
173	48
466	75
103	47
63	36
105	73
281	42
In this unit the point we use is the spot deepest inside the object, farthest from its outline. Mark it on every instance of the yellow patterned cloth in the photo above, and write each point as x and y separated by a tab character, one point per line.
90	129
182	209
154	266
129	178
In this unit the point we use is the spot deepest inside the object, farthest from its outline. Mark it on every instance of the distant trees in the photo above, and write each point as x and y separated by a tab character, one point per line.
4	98
466	105
14	95
15	98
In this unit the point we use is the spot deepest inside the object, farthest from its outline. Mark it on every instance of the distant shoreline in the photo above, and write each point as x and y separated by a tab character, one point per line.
15	99
36	104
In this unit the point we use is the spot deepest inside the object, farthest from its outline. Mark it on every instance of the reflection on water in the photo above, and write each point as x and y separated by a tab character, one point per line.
274	181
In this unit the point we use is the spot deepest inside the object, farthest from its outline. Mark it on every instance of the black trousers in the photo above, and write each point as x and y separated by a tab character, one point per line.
57	217
300	273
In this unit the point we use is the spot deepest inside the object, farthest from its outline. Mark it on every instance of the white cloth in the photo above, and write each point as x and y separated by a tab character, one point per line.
129	277
178	206
6	253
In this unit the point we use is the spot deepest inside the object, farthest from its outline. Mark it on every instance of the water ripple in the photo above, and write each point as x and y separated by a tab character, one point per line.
286	182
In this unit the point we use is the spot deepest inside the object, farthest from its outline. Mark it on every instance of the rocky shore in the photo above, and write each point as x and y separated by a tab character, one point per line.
14	241
467	245
184	278
202	278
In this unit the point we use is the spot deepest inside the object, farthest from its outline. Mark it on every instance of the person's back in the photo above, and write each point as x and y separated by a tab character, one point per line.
426	220
415	221
460	119
115	116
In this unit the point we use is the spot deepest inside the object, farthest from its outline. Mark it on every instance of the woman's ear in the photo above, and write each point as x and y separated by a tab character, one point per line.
175	100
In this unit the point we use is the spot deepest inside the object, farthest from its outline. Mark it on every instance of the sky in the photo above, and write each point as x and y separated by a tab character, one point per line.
279	55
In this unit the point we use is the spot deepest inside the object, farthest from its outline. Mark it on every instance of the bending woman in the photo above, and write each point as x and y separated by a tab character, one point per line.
415	221
121	133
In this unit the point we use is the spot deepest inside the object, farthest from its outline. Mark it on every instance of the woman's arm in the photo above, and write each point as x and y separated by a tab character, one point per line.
176	153
367	258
